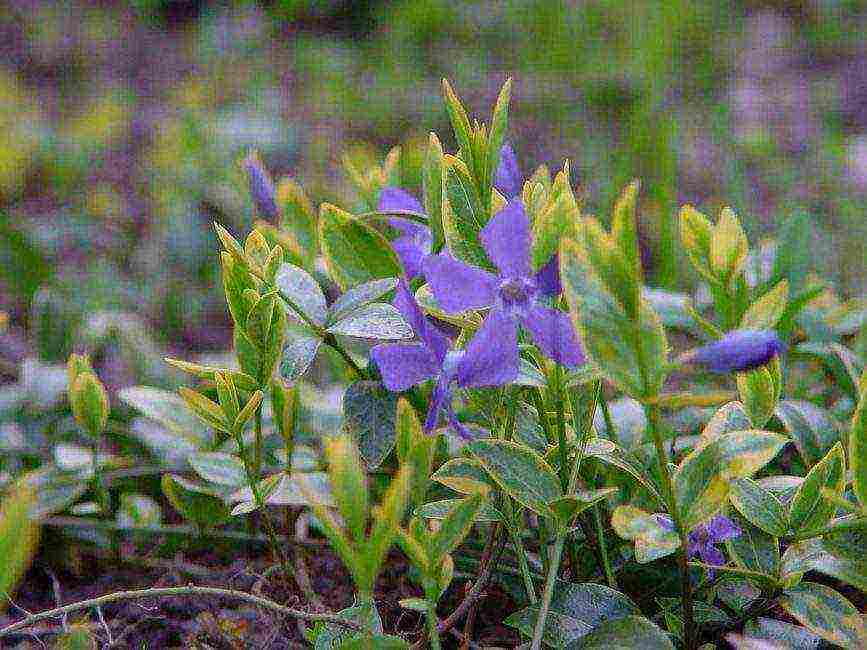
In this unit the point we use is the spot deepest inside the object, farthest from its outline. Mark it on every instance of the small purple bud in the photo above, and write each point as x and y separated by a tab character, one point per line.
261	187
737	351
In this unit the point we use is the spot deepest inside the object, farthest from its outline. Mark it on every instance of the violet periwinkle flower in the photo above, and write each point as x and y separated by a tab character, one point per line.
507	178
261	187
703	538
484	362
514	294
737	351
415	240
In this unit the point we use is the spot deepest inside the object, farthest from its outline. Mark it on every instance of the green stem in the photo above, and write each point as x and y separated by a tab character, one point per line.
548	594
432	622
673	509
257	447
603	548
513	528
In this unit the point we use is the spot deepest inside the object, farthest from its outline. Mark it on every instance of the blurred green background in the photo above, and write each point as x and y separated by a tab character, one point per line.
122	126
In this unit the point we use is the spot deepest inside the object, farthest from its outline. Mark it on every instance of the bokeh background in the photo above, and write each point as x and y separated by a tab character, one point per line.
122	125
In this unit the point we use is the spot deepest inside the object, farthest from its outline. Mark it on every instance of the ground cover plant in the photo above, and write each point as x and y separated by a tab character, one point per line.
517	411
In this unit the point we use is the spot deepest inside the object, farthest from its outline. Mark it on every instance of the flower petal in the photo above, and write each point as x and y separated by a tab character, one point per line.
395	199
507	178
491	358
710	554
548	277
506	239
441	397
410	254
403	365
721	528
456	286
737	351
553	332
429	334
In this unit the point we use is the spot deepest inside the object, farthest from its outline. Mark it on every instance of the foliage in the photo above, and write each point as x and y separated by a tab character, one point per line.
507	375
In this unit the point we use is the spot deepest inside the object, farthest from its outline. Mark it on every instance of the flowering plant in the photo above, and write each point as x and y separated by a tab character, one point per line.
507	369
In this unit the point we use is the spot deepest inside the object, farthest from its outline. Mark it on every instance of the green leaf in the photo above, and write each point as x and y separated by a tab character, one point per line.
258	324
299	350
348	484
765	313
701	480
519	471
858	449
809	509
730	417
696	231
374	642
297	233
299	489
754	549
759	506
465	476
333	636
824	611
624	230
499	124
460	121
298	285
555	220
195	502
454	527
19	536
220	468
759	395
432	189
359	296
576	611
138	510
633	632
819	555
728	248
566	508
839	360
811	428
89	402
611	339
439	509
652	540
208	411
377	320
385	528
369	417
463	214
848	540
627	462
780	634
353	251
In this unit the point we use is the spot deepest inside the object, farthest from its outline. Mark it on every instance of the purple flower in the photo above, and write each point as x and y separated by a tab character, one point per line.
514	294
507	178
403	365
415	240
704	537
261	187
737	351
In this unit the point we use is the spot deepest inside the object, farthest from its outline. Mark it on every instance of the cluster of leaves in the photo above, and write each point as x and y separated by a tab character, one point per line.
497	303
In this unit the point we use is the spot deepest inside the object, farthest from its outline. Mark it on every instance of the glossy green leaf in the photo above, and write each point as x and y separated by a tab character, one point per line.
696	231
566	508
369	417
374	642
297	232
439	509
19	536
465	476
519	471
354	252
839	360
754	549
825	612
809	509
765	313
299	350
377	320
730	417
781	634
454	527
464	215
633	632
758	394
576	611
858	449
332	636
811	428
348	483
627	463
359	296
652	540
432	189
195	502
759	506
220	468
298	285
497	135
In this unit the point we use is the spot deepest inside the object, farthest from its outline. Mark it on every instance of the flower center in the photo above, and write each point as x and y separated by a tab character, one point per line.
515	293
